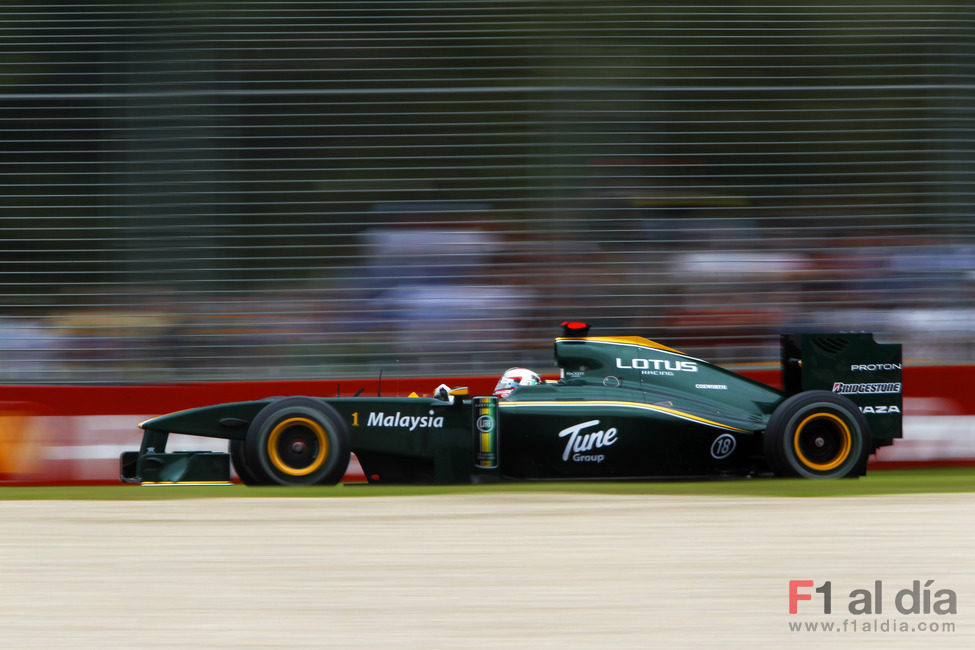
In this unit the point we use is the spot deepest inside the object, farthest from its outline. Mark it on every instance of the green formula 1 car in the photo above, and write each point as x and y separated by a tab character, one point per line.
625	408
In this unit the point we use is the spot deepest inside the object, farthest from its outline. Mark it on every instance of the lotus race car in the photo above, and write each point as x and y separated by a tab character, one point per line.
624	408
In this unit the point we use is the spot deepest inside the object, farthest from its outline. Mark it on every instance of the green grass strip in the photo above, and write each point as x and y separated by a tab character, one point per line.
919	481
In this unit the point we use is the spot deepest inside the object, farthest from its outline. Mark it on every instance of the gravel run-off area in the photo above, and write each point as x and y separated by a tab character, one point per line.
541	570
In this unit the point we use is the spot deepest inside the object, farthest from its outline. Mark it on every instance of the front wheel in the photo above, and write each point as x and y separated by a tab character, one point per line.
296	441
243	467
817	434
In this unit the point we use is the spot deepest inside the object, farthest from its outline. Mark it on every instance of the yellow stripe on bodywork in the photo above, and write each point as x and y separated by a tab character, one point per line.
625	340
647	407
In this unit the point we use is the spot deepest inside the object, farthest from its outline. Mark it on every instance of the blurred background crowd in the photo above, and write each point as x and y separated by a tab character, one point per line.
316	189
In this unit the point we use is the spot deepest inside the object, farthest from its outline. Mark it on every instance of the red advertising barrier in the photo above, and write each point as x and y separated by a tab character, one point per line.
75	434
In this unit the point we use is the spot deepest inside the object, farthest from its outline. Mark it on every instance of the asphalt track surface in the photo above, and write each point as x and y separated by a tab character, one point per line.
477	571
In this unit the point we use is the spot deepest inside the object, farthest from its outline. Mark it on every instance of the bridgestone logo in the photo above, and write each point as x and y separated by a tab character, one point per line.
854	389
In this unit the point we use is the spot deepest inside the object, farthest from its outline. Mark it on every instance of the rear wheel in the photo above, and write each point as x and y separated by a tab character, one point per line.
817	434
296	441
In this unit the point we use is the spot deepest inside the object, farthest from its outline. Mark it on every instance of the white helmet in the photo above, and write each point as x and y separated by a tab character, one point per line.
513	378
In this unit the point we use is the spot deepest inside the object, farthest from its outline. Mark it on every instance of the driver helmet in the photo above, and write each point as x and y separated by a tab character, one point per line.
513	378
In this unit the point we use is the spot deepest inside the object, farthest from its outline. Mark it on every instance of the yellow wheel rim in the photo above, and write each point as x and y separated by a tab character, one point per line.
815	429
295	437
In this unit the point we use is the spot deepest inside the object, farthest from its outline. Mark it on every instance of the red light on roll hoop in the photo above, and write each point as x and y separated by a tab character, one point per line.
574	328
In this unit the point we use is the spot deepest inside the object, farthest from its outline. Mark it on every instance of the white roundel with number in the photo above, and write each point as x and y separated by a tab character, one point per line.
722	446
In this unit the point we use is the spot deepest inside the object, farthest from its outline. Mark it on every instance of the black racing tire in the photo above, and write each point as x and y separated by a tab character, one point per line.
817	434
297	441
244	470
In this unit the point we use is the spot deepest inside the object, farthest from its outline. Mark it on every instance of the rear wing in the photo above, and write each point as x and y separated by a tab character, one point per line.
850	364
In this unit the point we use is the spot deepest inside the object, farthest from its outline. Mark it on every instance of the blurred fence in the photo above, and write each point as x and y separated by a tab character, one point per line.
261	190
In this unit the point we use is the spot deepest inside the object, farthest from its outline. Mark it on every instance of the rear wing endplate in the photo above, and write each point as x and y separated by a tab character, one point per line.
852	364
